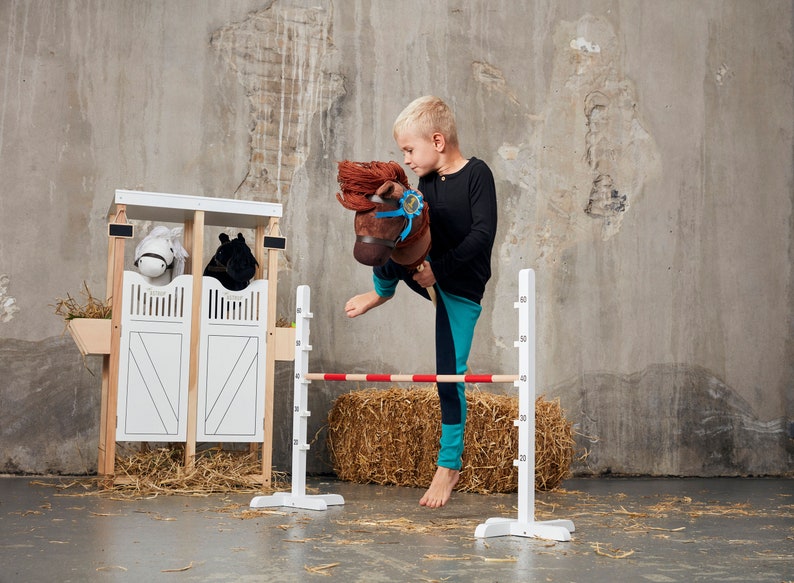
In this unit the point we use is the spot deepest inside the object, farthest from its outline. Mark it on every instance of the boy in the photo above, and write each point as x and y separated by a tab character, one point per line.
462	198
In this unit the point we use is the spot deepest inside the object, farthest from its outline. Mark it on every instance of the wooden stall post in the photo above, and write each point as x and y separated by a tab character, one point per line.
197	259
107	441
187	236
259	252
270	363
102	468
259	255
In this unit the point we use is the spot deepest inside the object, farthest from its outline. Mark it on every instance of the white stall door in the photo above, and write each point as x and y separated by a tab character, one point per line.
154	357
231	388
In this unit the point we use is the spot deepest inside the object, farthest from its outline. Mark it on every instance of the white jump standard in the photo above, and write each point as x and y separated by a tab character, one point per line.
525	525
298	498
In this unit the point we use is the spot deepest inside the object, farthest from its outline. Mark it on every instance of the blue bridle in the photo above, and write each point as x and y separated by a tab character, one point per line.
409	206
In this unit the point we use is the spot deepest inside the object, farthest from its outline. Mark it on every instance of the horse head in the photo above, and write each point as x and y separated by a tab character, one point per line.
160	256
391	221
233	264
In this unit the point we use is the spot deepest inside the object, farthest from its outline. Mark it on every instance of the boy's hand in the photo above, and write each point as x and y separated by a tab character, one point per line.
362	303
424	275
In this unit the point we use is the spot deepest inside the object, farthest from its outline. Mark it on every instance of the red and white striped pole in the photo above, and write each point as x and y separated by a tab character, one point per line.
413	378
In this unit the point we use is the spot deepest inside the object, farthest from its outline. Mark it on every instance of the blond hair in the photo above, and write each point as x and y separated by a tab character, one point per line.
427	115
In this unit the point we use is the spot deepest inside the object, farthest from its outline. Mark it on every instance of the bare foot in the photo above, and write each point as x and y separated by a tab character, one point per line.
362	303
440	488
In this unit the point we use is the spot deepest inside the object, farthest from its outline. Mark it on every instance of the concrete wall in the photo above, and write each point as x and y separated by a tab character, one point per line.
643	158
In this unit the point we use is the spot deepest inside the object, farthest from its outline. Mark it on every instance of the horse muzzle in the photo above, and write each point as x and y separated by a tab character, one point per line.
241	273
152	265
372	251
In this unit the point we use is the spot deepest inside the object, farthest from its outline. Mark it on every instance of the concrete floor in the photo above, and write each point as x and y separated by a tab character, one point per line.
657	530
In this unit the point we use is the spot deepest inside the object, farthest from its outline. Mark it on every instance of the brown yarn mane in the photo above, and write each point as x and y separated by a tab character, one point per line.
361	179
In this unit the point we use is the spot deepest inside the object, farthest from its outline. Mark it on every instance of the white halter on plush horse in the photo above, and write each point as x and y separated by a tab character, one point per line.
392	220
160	256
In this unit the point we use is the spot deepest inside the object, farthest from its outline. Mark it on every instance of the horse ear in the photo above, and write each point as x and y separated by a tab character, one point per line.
240	236
224	238
387	189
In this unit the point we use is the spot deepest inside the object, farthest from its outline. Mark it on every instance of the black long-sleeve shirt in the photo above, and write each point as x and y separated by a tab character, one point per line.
463	220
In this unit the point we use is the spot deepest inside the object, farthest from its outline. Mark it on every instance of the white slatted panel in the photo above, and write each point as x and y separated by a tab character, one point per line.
154	356
231	387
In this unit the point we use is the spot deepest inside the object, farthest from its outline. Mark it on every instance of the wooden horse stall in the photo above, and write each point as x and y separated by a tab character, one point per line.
191	361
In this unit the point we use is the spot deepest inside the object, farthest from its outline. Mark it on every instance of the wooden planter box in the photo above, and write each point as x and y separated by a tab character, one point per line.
92	335
285	343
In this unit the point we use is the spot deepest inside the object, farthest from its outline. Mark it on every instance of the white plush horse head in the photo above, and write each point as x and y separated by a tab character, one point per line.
160	256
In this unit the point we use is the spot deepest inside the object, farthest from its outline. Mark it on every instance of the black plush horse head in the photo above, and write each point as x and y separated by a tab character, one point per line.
233	263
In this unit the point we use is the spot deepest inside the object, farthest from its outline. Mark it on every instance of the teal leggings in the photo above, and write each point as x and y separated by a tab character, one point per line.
456	318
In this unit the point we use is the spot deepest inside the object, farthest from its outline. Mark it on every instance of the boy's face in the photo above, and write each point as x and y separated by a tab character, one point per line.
420	153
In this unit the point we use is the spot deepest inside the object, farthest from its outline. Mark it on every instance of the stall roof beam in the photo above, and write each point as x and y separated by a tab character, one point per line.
177	208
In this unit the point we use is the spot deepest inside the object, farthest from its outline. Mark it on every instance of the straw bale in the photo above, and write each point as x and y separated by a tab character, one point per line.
391	437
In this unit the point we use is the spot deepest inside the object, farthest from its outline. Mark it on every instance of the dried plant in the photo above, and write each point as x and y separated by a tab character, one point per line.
91	307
